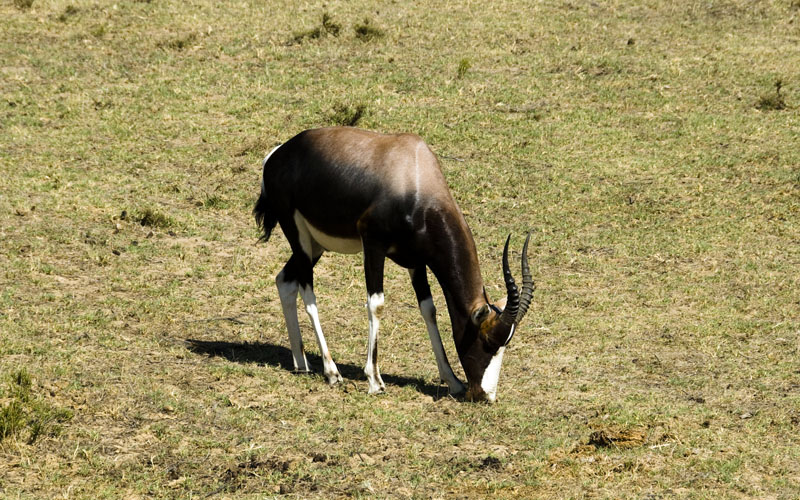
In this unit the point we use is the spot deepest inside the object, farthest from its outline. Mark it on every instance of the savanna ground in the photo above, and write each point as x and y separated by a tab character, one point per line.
652	147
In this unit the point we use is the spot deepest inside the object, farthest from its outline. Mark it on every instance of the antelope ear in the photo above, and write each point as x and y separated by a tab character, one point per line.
480	314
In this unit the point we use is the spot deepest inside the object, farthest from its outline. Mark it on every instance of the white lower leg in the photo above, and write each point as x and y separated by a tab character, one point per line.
329	367
374	307
446	374
287	291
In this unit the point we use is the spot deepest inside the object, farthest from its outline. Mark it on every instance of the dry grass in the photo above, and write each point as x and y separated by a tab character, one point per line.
660	360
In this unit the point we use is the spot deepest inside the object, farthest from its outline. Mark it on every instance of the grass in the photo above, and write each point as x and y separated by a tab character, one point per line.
23	4
327	27
24	414
463	66
772	101
658	361
347	115
366	30
154	218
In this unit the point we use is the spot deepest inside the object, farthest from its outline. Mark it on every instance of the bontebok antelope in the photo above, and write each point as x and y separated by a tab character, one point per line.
349	190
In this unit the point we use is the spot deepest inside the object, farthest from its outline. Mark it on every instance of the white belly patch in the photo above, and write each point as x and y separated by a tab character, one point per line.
310	235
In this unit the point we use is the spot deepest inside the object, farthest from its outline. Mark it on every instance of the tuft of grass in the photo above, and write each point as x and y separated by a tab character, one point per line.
215	201
366	31
347	115
153	218
98	31
773	101
21	381
327	27
258	146
25	412
69	11
463	66
12	419
180	42
311	34
23	4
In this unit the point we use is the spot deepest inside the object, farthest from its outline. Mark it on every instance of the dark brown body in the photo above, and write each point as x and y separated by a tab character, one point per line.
389	186
345	189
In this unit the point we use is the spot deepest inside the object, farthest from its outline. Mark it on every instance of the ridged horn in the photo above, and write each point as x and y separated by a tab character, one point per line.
528	286
509	314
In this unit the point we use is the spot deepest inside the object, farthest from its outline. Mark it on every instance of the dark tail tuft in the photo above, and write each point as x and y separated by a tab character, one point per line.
265	218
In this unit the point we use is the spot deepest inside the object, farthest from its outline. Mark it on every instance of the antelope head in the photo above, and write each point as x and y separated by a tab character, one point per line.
491	328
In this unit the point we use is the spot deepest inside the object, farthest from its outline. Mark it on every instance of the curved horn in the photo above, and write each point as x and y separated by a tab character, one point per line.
528	286
509	314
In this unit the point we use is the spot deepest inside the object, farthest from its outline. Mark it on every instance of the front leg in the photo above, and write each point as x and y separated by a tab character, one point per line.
419	280
374	259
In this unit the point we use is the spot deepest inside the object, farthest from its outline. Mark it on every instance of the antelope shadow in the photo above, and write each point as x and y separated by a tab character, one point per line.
265	353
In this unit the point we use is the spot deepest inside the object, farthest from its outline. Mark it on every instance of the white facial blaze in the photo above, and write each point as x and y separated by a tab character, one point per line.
492	375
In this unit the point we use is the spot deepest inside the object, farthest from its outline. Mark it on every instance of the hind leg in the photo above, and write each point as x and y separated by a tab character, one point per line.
297	276
306	254
328	366
288	287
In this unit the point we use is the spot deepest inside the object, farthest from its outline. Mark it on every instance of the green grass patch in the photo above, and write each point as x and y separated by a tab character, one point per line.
463	66
773	101
347	114
327	27
23	4
153	218
215	201
69	11
24	415
180	41
366	30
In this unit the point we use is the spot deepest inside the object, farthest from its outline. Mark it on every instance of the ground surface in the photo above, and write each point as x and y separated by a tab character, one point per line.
652	147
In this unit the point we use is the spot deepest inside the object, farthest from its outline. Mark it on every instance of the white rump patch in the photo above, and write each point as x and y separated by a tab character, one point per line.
492	375
264	164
